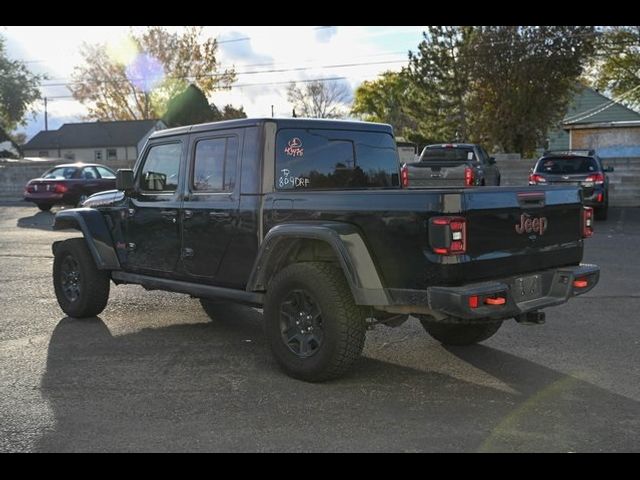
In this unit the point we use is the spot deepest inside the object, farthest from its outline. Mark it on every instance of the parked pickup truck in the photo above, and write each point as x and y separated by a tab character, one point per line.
308	219
453	165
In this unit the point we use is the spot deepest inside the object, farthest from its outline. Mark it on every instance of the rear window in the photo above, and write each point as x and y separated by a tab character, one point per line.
316	159
62	173
566	166
444	154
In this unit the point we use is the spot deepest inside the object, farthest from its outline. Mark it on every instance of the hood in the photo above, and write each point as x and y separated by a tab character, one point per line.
104	199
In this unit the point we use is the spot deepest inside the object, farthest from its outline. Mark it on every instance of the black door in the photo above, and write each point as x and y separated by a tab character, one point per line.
210	207
152	229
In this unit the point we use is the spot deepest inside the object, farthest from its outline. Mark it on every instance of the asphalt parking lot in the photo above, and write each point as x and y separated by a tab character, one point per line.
154	373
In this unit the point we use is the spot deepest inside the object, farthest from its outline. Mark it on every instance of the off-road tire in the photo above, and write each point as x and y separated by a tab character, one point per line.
342	322
94	285
460	334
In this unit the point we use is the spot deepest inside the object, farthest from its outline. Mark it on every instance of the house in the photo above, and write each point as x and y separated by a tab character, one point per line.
594	121
100	142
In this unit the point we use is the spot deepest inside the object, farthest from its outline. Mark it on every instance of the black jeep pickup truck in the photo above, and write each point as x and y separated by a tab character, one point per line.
308	219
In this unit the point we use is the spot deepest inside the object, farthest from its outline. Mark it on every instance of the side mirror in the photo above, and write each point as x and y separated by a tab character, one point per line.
124	179
492	160
608	169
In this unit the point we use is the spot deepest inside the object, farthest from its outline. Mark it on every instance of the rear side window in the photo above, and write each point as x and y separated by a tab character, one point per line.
214	167
567	165
316	159
61	173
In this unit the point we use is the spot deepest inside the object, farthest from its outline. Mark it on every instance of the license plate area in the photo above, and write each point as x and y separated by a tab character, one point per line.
527	288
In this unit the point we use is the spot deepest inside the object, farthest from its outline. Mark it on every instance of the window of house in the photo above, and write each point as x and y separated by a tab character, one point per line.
316	159
214	167
97	154
43	153
112	154
161	166
70	155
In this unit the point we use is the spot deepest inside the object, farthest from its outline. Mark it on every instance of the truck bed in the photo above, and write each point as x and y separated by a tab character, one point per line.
395	227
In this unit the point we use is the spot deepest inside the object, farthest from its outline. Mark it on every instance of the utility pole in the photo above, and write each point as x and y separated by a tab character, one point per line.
46	120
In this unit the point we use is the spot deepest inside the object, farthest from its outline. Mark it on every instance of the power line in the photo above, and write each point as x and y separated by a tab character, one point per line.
253	72
243	85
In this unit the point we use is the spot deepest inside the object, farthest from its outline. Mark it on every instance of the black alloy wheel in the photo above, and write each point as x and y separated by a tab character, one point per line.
301	326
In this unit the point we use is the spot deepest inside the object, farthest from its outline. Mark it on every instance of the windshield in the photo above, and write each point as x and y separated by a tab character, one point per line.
61	173
567	165
444	153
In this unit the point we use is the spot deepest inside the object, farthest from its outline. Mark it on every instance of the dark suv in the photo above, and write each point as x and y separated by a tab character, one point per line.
576	167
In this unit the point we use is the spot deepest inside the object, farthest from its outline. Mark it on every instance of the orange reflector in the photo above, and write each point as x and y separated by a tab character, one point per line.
580	283
495	301
473	301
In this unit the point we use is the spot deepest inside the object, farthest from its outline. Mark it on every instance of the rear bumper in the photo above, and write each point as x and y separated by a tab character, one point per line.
554	287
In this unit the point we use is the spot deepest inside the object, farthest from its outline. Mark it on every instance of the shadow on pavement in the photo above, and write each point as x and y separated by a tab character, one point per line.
40	220
212	386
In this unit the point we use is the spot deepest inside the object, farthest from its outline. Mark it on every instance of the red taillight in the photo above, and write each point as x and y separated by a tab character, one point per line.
600	197
597	178
495	301
404	176
534	179
473	301
580	283
587	222
60	188
448	235
469	177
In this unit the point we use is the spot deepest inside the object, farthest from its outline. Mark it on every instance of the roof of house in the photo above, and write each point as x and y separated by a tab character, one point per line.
92	134
590	106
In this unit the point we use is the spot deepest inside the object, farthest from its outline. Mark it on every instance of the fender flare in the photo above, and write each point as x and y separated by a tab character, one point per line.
348	246
96	234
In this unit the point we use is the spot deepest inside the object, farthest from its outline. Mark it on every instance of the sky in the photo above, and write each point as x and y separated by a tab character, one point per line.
297	52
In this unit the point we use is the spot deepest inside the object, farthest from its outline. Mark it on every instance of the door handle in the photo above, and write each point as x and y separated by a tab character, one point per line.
219	214
188	214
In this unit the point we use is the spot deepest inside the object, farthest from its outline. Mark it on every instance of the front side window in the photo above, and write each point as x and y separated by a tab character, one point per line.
316	159
105	172
214	168
161	167
89	173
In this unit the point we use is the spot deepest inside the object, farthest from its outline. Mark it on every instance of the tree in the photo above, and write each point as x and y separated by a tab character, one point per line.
523	79
385	100
440	72
19	88
617	65
191	107
319	99
501	85
126	87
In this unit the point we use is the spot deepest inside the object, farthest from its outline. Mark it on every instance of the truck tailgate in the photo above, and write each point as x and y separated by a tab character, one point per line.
436	174
518	230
